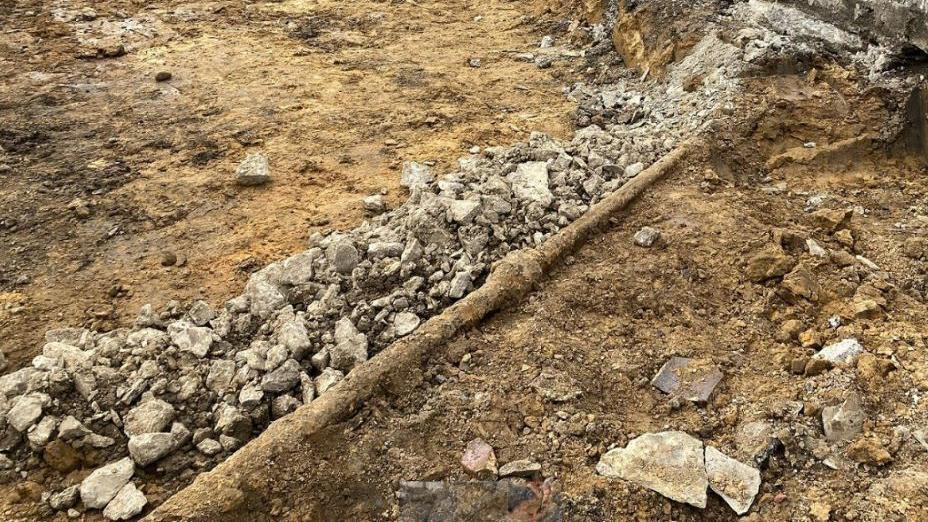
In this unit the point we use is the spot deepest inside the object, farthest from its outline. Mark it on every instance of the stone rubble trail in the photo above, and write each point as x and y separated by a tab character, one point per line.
195	385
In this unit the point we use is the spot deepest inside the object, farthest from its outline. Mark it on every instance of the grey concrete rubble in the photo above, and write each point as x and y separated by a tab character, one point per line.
202	381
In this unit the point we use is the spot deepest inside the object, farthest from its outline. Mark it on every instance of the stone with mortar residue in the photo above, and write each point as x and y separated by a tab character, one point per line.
350	346
556	386
687	378
190	338
328	378
253	170
844	421
415	175
770	262
479	460
343	256
374	203
151	416
200	313
521	469
221	372
405	323
735	482
842	353
460	284
530	183
283	378
104	483
647	236
671	463
27	410
634	169
150	447
64	499
209	447
126	504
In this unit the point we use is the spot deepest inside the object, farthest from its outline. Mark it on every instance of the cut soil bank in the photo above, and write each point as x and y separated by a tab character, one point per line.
565	375
106	172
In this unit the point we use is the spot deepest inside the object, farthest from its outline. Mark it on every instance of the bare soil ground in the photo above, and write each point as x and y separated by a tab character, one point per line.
104	171
607	320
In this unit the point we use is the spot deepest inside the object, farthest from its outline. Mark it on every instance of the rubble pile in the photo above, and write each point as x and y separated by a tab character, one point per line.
185	387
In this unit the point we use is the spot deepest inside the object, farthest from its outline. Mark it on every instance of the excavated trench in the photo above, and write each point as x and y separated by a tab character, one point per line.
688	95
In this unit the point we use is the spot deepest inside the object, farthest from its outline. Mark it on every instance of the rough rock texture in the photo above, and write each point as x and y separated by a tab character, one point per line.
126	504
671	463
735	482
104	483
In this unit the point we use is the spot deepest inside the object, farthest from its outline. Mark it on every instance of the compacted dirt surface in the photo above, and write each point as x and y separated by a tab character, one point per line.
107	174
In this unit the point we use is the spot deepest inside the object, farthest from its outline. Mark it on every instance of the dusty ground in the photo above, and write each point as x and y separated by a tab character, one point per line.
104	171
607	320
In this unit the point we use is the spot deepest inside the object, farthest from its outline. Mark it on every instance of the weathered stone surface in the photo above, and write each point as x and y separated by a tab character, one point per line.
687	378
647	236
209	447
479	460
150	447
415	175
350	348
283	378
843	353
71	428
189	338
232	422
405	323
735	482
845	421
65	498
671	463
27	410
343	256
530	183
104	483
556	386
200	313
767	264
221	372
253	170
151	416
520	468
328	378
127	503
40	434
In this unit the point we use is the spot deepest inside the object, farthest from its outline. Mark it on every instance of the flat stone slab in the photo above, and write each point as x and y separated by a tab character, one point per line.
671	463
735	482
688	378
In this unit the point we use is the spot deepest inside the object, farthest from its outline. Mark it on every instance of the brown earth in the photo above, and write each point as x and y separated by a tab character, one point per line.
104	171
608	318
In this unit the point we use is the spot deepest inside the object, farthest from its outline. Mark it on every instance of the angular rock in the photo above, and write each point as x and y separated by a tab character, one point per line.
374	203
647	236
767	264
200	313
104	483
71	429
64	499
735	482
126	504
150	447
520	469
843	353
209	447
405	323
530	183
151	416
232	422
283	378
250	396
460	284
27	410
869	450
189	338
343	256
415	175
687	378
328	378
221	372
671	463
463	211
254	170
479	460
350	348
40	434
845	421
634	169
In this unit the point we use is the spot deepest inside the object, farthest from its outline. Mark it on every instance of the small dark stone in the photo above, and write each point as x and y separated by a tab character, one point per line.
168	259
163	76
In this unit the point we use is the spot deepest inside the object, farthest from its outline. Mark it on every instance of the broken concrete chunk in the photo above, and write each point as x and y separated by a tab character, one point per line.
687	378
479	460
415	175
735	482
104	483
150	447
843	353
254	170
126	504
530	183
845	421
151	416
671	463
